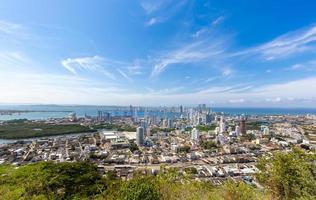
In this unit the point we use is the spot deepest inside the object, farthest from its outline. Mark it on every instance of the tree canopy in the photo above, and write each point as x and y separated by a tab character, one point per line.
289	175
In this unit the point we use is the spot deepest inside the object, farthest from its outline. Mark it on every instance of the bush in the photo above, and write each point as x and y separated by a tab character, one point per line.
140	188
289	175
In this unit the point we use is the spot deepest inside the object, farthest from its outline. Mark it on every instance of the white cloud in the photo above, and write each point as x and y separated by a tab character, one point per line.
211	79
53	88
15	33
236	89
124	75
153	21
236	101
227	72
94	63
218	20
160	11
303	88
274	100
296	66
10	28
165	91
192	53
151	6
199	32
14	61
307	66
288	44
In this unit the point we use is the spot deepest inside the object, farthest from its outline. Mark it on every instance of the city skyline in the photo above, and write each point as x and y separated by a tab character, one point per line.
241	54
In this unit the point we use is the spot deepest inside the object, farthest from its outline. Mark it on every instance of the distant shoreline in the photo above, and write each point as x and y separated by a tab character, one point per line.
12	112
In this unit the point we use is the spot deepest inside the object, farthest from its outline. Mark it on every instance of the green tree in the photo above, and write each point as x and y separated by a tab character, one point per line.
289	175
140	188
237	191
133	147
208	144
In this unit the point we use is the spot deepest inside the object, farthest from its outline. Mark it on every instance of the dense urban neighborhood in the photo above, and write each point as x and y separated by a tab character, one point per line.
210	146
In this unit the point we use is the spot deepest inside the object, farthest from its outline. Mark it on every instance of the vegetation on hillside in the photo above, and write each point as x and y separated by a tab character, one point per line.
289	175
208	144
206	127
19	129
285	176
116	127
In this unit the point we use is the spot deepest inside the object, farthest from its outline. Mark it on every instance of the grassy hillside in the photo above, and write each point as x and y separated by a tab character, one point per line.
81	180
286	176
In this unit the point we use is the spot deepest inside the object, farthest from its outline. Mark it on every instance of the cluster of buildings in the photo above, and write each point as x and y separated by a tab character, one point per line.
212	145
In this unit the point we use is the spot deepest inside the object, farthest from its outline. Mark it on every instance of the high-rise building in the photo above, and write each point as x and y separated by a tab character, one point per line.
131	110
266	131
216	131
164	123
202	107
140	136
222	125
170	123
195	134
208	118
237	130
135	115
181	109
243	126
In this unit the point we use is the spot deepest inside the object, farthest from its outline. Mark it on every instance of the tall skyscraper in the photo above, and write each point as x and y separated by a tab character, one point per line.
237	130
135	115
243	126
222	125
140	136
170	123
266	131
208	118
181	109
195	135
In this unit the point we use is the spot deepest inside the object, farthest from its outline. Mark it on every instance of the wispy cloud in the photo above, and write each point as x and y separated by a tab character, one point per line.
291	43
199	32
237	100
241	88
14	60
210	79
192	53
151	6
160	11
11	28
227	71
165	91
54	88
124	75
101	65
15	32
300	88
153	21
274	100
94	63
307	66
218	20
135	69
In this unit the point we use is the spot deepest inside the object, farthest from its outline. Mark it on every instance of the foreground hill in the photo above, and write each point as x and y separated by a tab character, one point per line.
284	175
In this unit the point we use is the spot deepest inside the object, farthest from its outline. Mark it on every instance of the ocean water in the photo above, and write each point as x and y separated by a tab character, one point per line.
54	111
267	111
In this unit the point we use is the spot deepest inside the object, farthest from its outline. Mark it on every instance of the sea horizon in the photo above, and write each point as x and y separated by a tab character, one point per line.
44	112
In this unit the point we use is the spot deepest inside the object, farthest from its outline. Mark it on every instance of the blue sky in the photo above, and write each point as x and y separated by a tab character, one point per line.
222	53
